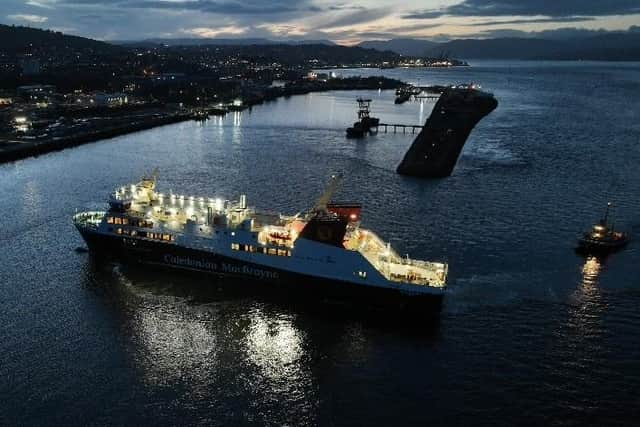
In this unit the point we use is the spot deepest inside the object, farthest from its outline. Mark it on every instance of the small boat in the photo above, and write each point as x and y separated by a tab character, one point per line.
366	123
602	238
356	131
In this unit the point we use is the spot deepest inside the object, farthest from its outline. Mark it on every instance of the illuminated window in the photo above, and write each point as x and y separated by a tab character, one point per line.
235	246
109	220
362	274
119	230
272	251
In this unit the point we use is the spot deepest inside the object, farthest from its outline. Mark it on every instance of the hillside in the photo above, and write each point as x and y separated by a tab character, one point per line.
406	47
217	42
614	46
18	40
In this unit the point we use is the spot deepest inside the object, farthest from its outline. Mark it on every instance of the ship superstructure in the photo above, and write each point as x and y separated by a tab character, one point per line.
324	249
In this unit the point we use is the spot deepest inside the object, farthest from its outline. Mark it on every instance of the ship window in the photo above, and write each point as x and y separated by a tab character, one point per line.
288	253
134	232
235	246
282	252
117	220
272	251
252	248
119	230
362	274
109	220
125	221
166	237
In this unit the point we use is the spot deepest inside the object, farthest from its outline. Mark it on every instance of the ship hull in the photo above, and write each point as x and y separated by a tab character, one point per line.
589	246
168	255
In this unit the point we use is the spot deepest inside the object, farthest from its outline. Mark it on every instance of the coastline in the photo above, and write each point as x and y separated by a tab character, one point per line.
16	149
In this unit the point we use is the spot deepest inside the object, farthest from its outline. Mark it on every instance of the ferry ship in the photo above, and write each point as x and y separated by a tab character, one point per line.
323	253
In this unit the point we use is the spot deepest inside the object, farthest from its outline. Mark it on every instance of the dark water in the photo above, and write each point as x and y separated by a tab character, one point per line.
530	332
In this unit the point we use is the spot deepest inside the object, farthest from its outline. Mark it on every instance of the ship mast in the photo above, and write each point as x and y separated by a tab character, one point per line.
325	198
606	213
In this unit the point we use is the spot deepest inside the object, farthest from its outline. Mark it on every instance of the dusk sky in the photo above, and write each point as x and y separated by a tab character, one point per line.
317	19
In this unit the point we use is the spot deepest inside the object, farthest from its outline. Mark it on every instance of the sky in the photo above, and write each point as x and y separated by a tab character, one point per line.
337	20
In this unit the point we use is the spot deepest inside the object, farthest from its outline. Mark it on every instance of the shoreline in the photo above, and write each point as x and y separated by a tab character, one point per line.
14	149
24	149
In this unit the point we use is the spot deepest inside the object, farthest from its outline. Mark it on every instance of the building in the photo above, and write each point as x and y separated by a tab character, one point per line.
36	93
110	99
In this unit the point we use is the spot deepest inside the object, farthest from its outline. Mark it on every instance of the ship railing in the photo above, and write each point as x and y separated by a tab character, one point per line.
415	272
90	219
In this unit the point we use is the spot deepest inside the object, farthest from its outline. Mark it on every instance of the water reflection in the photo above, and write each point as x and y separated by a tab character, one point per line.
275	346
590	273
237	118
184	331
585	313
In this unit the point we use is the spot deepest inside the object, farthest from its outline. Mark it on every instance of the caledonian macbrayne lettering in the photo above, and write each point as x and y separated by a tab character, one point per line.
223	267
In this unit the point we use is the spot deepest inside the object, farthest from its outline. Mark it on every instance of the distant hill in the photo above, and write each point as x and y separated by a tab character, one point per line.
613	46
217	42
406	47
18	40
501	48
314	55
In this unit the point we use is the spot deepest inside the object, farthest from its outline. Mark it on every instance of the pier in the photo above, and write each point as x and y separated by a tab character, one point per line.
397	126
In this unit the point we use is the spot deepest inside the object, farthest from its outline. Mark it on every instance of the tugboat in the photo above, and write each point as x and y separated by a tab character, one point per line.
602	238
365	123
323	253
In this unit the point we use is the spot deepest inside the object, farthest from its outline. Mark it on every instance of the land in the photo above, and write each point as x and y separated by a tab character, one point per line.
57	91
35	128
549	45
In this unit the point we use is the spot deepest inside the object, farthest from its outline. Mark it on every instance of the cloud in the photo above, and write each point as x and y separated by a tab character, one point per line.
534	21
565	33
206	32
45	4
34	19
358	17
231	7
553	8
